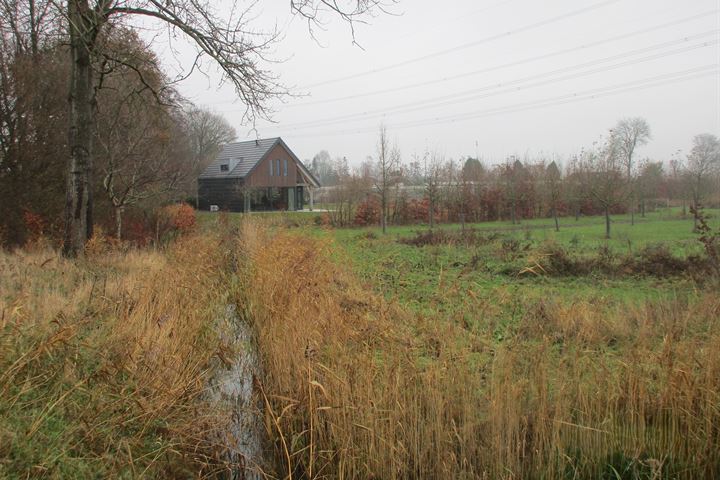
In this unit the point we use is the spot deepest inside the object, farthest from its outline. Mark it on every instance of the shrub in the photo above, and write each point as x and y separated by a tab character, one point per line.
181	216
368	212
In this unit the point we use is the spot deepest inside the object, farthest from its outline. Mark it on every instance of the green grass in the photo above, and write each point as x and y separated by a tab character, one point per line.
438	279
452	280
598	373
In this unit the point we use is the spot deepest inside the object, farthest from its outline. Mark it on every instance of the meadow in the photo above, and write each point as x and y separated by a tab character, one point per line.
472	355
499	351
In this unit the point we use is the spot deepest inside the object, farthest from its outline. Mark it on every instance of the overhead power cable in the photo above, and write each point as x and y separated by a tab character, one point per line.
523	61
651	82
516	85
464	46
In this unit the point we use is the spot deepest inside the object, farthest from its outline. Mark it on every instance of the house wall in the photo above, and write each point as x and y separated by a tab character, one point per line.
226	193
260	176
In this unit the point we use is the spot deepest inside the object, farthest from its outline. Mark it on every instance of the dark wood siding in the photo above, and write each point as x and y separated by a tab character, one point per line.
226	193
260	176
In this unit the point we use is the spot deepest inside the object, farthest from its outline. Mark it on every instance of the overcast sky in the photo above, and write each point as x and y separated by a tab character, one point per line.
488	77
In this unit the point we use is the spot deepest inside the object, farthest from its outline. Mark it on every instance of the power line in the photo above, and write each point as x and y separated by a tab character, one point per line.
592	93
464	46
651	82
509	64
497	88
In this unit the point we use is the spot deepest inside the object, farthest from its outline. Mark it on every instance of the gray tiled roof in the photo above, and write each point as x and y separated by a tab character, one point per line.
241	158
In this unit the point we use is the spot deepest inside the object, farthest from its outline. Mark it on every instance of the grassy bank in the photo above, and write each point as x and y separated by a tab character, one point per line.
104	362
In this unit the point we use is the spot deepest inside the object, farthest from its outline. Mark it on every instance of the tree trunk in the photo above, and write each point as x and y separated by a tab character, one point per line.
431	213
555	217
78	201
383	213
607	222
118	222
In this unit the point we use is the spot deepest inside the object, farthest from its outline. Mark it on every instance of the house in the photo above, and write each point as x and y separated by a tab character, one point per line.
257	175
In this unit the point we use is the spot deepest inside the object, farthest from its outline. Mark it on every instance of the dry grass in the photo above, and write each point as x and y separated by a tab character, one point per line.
104	362
357	387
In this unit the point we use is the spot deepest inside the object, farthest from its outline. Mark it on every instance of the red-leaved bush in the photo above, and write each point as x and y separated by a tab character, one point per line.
368	212
181	217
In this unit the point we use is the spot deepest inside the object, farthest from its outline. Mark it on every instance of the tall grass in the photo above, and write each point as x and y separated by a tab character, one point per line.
357	387
104	362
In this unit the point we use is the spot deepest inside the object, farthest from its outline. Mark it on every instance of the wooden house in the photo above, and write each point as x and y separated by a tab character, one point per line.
256	175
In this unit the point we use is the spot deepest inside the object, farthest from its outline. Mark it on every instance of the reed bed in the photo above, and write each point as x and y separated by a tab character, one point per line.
104	362
357	387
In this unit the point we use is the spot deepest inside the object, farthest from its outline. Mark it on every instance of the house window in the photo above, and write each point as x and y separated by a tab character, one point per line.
224	167
271	164
278	167
285	171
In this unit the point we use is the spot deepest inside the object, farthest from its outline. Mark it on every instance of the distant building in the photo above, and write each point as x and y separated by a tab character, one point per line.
257	175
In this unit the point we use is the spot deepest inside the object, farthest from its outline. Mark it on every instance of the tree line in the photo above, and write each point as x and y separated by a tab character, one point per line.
606	178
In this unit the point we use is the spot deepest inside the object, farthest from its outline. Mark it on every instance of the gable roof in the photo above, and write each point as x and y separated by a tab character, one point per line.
243	157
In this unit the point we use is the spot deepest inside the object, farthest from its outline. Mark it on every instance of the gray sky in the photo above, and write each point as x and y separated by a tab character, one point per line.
496	77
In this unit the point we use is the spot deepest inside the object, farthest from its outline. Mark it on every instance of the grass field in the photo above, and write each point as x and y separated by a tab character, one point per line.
439	273
445	361
499	352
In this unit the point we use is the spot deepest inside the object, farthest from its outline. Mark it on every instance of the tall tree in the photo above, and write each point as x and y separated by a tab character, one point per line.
33	109
388	161
604	178
207	132
629	134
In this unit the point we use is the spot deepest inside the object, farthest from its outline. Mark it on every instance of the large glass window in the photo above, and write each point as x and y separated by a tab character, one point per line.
285	170
278	167
271	168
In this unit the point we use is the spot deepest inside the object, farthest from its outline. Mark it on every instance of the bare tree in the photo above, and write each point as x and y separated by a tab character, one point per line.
140	155
603	177
433	176
513	173
553	184
676	181
230	42
208	132
702	162
629	134
573	184
388	160
649	181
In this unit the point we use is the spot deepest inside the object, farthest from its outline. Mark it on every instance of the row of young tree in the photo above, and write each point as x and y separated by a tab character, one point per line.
607	178
149	144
